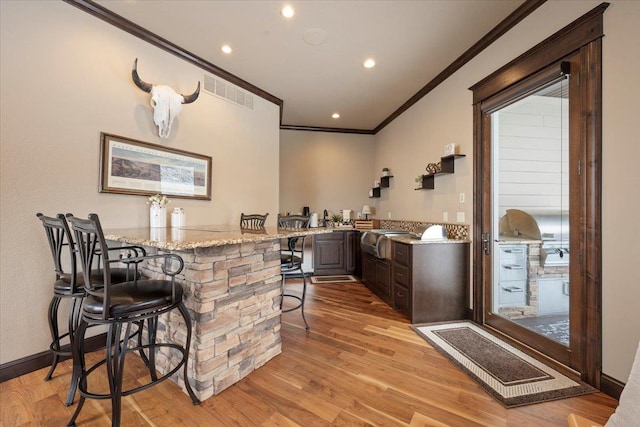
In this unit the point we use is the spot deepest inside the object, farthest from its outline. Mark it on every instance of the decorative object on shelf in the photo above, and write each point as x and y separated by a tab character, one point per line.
444	166
385	171
366	211
371	193
158	210
449	149
165	101
337	219
376	183
127	165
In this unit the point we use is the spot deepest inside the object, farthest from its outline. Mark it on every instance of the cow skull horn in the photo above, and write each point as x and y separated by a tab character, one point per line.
188	99
137	80
165	101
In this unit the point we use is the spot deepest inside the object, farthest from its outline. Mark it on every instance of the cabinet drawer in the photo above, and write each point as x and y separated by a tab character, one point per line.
512	293
401	275
401	298
401	253
513	254
512	271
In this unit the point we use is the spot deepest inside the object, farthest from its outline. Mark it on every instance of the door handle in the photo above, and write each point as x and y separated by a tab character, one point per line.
485	243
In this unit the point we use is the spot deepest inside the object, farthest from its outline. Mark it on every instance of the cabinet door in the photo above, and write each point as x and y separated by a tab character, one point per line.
329	254
368	270
351	253
383	277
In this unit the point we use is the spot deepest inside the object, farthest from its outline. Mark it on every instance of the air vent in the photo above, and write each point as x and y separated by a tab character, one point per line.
225	90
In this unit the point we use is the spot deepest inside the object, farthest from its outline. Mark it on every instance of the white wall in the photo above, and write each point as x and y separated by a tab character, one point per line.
324	170
445	115
65	77
532	150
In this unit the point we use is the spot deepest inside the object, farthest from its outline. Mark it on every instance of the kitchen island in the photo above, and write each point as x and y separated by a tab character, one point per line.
232	286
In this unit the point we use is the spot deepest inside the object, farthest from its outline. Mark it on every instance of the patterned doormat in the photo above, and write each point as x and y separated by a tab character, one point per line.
509	375
316	280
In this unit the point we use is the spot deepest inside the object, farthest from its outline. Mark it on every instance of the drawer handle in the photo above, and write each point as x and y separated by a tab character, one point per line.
513	266
513	289
399	274
513	251
401	295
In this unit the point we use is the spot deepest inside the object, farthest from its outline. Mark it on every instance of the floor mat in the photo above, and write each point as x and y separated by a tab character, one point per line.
316	280
509	375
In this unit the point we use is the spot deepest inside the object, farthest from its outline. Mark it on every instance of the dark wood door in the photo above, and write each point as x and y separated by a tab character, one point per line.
581	50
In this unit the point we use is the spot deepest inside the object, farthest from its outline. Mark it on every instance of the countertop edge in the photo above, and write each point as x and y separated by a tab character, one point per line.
181	246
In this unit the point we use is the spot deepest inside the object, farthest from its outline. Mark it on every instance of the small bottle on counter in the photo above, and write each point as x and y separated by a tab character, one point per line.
178	218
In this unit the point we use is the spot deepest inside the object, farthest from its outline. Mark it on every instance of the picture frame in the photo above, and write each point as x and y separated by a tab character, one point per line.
129	166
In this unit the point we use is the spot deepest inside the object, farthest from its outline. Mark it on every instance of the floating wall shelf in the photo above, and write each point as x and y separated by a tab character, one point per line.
384	183
447	167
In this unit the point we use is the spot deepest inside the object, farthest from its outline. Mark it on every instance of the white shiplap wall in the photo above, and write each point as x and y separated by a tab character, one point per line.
533	154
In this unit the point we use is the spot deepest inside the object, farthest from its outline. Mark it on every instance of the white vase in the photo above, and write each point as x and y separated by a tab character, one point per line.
157	216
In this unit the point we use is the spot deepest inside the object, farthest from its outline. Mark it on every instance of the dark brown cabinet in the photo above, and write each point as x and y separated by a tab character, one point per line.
431	281
336	253
376	275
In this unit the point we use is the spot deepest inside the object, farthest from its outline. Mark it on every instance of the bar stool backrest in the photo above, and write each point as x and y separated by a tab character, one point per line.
253	221
90	241
60	241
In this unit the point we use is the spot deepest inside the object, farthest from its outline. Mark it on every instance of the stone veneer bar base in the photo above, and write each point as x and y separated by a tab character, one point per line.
233	294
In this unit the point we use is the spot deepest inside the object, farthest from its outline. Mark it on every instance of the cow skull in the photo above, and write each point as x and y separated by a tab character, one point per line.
165	101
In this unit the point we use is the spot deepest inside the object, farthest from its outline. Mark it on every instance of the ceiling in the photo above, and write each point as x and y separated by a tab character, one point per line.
411	42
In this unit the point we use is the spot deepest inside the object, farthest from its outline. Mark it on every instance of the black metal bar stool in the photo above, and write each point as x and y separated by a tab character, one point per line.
253	220
119	306
69	284
292	258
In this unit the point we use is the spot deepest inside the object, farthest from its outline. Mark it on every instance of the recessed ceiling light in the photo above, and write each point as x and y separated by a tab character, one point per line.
287	11
335	115
369	63
226	48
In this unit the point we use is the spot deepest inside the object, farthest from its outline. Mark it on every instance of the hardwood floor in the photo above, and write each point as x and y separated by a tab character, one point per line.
360	364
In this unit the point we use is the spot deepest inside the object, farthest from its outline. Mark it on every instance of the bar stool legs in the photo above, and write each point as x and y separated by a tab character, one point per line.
118	335
301	298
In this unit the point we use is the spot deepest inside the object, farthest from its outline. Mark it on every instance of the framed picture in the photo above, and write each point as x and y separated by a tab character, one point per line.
134	167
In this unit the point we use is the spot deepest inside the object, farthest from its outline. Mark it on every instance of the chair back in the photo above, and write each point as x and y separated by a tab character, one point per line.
252	221
90	240
60	241
293	222
293	257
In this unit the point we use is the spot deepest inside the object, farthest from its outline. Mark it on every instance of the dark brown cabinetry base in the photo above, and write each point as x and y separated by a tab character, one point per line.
376	275
430	281
336	253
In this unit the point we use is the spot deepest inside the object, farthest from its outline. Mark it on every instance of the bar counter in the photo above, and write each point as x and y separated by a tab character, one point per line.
232	285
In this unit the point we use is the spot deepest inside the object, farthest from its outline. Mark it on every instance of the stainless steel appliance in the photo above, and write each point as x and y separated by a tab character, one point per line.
549	226
376	242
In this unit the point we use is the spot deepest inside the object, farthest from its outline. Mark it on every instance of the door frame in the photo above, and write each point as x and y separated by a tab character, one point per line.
582	37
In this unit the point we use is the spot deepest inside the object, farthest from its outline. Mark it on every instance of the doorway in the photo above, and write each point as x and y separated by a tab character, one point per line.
528	296
537	256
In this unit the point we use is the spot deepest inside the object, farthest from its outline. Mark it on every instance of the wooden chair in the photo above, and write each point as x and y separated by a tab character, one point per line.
292	258
118	307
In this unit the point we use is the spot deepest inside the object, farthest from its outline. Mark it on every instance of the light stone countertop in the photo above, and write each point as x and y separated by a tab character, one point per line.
202	236
413	241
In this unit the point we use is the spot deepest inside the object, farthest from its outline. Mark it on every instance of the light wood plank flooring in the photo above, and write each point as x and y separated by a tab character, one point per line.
359	365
